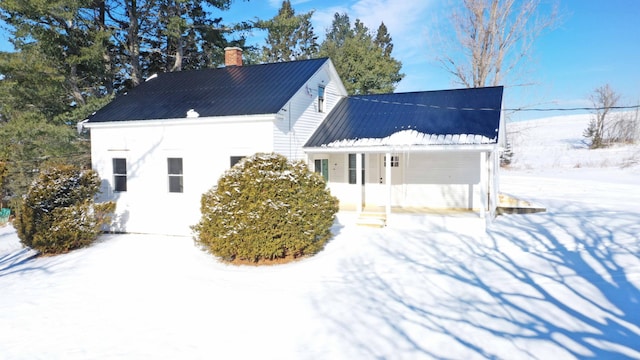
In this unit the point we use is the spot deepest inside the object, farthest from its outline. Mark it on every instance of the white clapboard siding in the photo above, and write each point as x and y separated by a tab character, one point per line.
443	180
300	117
205	147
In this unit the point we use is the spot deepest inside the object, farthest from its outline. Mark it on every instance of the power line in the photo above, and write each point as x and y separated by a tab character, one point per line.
517	109
432	106
627	107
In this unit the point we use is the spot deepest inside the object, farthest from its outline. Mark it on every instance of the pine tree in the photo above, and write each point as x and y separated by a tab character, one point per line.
290	36
363	60
383	41
29	142
60	46
153	36
507	155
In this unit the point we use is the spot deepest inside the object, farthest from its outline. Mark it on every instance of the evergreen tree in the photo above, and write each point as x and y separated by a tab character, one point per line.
130	21
193	40
90	48
153	36
383	41
31	83
58	44
30	142
507	155
363	60
339	32
290	37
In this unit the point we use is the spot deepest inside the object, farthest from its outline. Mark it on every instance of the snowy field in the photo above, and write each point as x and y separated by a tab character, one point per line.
564	284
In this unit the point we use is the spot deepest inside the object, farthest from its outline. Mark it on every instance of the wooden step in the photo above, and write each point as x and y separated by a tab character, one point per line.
509	204
377	220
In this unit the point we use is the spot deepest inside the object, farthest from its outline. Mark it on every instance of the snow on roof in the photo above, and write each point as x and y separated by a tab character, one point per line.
413	137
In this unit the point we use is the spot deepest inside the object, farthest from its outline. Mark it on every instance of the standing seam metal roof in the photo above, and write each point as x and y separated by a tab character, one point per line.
467	113
238	90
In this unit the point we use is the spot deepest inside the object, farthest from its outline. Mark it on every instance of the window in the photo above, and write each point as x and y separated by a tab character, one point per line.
352	168
320	98
322	168
119	174
234	160
395	161
174	166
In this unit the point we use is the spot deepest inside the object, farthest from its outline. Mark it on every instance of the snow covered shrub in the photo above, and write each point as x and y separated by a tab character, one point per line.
58	213
266	208
507	155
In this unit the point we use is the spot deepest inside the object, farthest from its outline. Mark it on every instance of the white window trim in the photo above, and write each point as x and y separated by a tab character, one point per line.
117	175
172	175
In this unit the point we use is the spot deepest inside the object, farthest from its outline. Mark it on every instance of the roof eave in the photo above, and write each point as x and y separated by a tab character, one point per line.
403	148
183	121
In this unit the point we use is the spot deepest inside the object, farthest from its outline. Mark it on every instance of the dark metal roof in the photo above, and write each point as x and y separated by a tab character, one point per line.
474	112
237	90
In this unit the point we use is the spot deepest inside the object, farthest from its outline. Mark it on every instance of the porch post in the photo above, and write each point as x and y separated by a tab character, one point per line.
359	182
387	176
493	183
484	172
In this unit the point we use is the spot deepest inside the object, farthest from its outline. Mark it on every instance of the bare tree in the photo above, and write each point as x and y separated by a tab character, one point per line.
623	128
491	37
604	98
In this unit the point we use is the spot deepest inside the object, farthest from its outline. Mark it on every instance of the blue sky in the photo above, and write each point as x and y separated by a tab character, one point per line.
595	43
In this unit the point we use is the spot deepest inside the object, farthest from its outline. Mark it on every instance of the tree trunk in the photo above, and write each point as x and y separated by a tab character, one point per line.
179	54
73	85
106	57
133	43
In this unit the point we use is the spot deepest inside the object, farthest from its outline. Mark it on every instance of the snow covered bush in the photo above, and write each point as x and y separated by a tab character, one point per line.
507	155
58	214
266	208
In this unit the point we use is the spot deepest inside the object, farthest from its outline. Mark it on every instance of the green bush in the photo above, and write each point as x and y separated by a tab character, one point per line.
266	208
58	213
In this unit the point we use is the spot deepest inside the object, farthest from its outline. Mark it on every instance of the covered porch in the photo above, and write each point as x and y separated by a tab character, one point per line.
425	151
435	181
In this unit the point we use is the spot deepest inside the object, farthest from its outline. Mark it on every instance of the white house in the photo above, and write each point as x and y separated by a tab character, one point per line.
160	146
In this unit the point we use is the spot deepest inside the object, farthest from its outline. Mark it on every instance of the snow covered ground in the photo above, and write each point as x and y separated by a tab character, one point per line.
564	284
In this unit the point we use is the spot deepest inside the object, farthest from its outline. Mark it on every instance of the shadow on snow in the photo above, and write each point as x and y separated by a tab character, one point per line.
553	285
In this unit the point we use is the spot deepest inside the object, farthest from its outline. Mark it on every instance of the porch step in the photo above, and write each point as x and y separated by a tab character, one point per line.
509	204
378	220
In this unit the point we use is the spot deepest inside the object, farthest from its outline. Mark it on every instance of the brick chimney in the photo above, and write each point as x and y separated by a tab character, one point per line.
232	56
